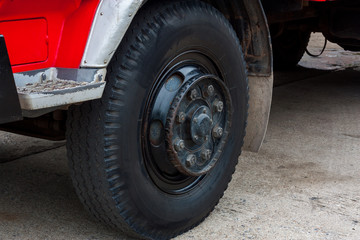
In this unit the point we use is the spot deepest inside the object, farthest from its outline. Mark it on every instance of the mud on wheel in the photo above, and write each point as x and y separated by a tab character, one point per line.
155	154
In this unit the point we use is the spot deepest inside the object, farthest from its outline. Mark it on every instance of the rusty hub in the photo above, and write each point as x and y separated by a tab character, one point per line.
205	102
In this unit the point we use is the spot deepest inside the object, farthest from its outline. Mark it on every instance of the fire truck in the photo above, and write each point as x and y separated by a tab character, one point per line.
155	98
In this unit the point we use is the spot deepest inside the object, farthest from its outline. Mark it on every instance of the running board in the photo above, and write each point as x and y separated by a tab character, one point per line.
57	87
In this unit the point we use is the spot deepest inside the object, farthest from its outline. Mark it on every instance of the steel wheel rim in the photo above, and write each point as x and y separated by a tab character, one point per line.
162	166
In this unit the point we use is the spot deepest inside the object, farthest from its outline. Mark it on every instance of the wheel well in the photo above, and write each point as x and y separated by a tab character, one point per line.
249	22
250	25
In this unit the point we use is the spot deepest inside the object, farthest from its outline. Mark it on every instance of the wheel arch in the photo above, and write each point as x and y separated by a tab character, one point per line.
112	21
249	21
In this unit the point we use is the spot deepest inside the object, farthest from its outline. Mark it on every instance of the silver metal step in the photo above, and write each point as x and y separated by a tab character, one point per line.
57	87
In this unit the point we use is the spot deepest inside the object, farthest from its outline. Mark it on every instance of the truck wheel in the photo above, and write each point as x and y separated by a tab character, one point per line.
289	47
155	154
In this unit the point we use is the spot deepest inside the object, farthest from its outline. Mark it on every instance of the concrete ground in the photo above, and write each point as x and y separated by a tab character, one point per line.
303	184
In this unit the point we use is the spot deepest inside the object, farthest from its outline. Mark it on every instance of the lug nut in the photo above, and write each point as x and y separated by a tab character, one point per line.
218	132
181	117
219	106
196	137
210	90
193	94
206	154
179	145
190	160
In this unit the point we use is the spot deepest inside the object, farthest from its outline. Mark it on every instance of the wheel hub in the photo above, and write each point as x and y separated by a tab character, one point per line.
200	125
187	127
204	107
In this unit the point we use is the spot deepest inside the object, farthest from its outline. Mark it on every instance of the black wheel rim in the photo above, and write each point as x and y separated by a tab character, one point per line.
182	135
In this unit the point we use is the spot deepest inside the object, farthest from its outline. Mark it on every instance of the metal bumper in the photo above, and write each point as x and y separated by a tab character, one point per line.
10	110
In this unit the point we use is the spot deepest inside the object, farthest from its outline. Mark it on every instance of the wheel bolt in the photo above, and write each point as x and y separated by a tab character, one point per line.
190	160
218	132
181	117
196	137
193	94
219	106
206	154
210	90
179	145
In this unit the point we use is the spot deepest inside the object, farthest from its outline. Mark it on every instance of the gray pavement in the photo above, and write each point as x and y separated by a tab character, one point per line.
303	184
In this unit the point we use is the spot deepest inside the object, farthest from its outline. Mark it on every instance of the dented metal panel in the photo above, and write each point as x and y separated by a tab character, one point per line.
110	24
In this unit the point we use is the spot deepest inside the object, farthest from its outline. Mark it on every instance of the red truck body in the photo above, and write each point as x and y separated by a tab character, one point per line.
41	34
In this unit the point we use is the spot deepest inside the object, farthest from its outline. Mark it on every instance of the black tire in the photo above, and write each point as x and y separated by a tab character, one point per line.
289	47
105	138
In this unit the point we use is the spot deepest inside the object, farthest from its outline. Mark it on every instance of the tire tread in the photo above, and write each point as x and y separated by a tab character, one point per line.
95	173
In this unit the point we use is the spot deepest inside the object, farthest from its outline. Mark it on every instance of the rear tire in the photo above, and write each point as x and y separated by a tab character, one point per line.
111	158
289	47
